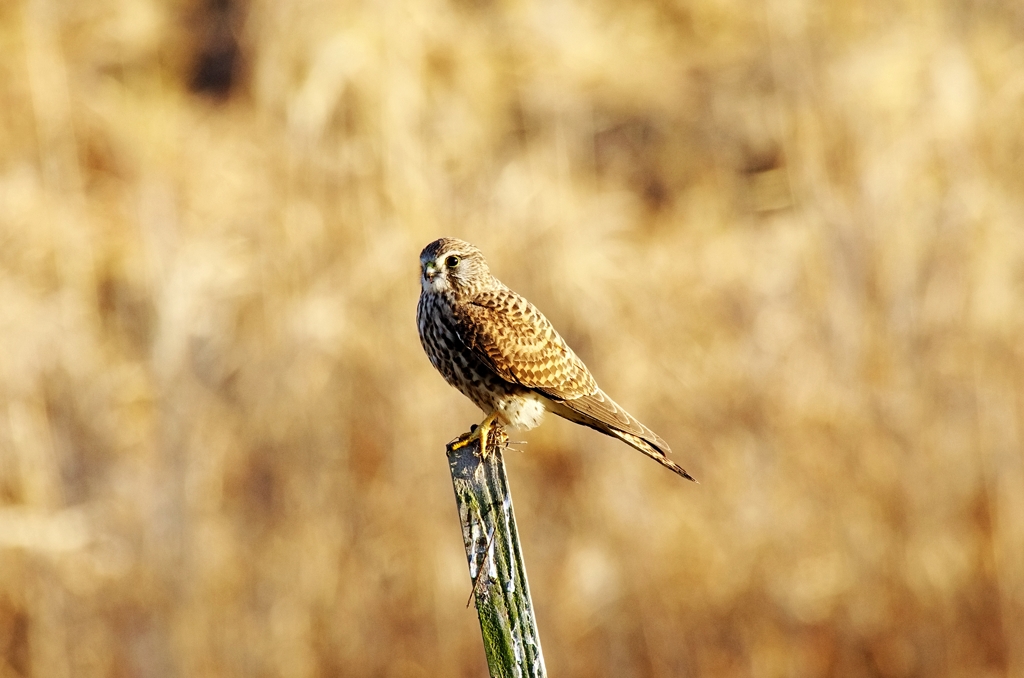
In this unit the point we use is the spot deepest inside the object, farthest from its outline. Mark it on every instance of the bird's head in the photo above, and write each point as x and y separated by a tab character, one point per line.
451	266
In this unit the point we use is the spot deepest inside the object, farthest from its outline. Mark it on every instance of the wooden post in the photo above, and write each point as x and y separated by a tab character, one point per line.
496	567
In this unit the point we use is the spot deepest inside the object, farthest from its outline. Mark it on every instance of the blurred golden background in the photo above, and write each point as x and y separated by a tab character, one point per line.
785	235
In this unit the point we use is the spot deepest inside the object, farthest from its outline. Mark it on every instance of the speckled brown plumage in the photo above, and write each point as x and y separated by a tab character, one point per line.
502	353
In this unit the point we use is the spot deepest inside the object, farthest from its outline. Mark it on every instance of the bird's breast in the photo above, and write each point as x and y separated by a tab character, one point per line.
443	341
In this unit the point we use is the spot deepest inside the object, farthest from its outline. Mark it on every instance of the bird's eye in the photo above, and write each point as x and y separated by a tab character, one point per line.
452	261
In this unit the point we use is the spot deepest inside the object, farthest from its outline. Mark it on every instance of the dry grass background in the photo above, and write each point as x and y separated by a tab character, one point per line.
786	235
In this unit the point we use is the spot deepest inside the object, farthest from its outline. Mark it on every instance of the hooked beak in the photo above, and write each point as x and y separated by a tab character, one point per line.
430	270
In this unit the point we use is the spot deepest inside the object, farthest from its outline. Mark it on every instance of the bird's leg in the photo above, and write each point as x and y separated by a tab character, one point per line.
482	430
479	433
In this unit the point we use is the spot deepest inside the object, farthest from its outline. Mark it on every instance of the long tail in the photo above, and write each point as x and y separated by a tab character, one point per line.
601	413
648	449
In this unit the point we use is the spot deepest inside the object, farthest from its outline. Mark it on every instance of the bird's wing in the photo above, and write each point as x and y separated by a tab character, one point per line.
510	335
515	339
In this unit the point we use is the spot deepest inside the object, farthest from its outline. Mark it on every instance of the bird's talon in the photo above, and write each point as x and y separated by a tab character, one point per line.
462	441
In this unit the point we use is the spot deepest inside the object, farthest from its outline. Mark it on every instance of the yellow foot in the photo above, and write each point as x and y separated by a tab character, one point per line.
476	433
466	438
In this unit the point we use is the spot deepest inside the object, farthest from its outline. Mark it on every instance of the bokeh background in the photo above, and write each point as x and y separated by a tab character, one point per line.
786	235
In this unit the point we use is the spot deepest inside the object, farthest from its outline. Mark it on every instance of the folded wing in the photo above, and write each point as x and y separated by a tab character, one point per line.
511	336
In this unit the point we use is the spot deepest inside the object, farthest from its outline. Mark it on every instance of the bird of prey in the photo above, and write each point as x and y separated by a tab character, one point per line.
502	353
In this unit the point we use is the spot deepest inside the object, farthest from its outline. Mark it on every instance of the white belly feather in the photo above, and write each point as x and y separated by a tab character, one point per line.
522	411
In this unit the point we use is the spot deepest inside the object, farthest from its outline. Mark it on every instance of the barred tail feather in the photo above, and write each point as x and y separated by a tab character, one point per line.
651	451
603	414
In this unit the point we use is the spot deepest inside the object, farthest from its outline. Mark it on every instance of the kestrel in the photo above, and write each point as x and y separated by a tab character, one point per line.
502	353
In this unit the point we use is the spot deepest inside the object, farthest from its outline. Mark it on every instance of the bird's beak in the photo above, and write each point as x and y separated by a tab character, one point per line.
430	270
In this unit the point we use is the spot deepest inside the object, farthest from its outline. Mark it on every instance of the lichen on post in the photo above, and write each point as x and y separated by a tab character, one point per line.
496	569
